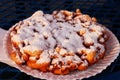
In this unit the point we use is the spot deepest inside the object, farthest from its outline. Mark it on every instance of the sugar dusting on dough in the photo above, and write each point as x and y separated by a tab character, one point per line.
46	32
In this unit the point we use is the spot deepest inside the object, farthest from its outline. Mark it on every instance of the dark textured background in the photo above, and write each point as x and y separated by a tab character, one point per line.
107	13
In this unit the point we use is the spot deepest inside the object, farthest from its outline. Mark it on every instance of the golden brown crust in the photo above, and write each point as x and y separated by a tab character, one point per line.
25	57
82	67
14	58
91	57
32	64
43	67
94	19
62	71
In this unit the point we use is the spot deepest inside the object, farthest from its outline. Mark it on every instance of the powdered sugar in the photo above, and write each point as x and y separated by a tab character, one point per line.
78	34
44	58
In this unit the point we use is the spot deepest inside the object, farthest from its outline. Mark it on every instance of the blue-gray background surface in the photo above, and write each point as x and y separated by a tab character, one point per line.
107	13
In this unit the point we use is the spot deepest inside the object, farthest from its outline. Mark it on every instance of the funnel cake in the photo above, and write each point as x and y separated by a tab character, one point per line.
60	42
